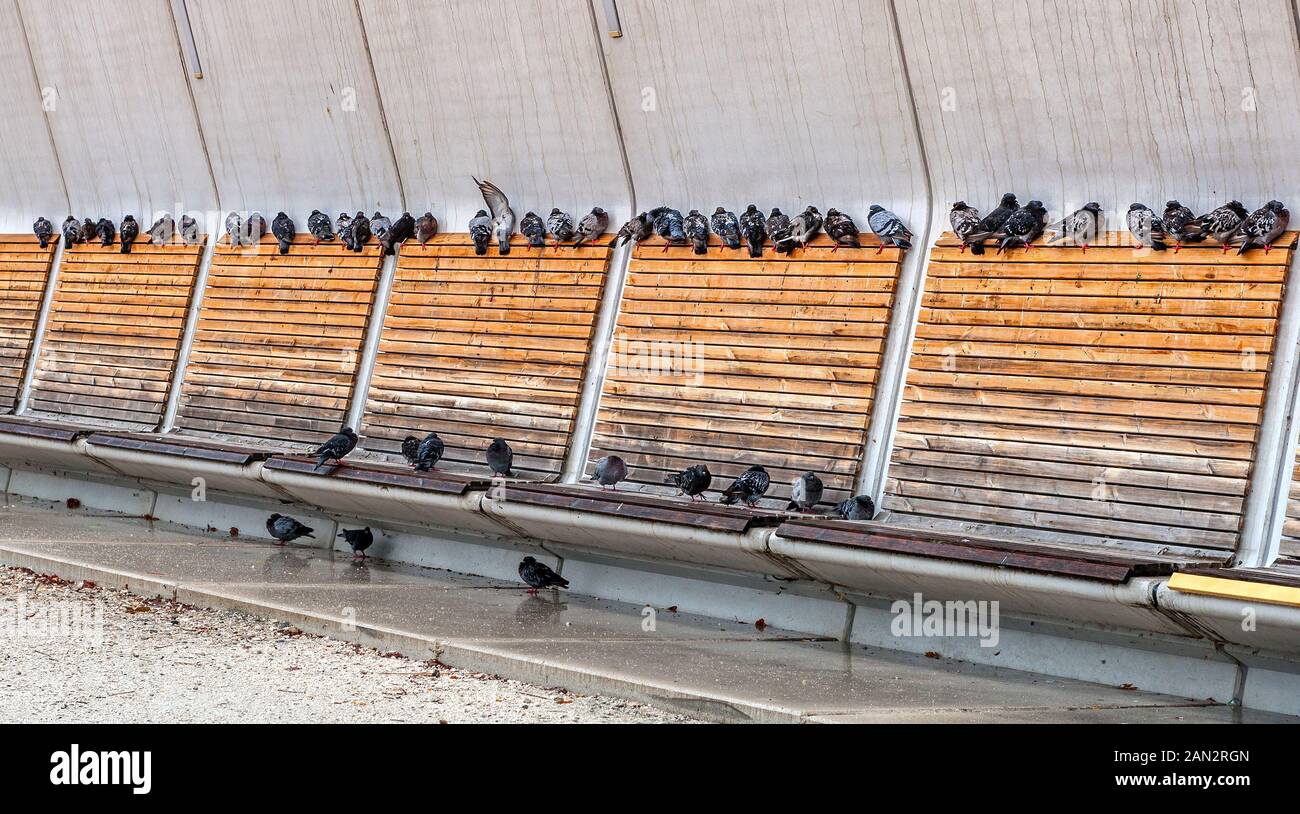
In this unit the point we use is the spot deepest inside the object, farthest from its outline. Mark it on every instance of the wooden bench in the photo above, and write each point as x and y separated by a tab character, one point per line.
732	361
479	347
1108	397
114	332
278	342
641	506
439	481
24	274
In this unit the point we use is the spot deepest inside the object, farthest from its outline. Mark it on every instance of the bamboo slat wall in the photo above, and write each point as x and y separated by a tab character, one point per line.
479	347
278	342
114	332
731	361
1106	397
24	272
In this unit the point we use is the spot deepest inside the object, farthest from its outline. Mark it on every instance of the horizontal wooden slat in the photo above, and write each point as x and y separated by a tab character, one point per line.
24	274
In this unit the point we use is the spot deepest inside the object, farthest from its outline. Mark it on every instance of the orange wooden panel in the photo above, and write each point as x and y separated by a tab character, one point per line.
24	273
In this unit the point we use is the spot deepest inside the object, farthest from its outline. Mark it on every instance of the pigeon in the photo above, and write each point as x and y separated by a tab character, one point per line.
778	229
44	231
480	231
426	228
594	224
283	229
727	227
753	228
359	539
539	576
163	230
751	484
427	453
89	230
318	223
72	232
638	228
402	230
993	222
254	228
1222	223
410	449
697	229
1080	227
1147	227
609	471
361	231
234	228
1023	227
1181	225
889	228
1264	225
503	217
858	507
379	226
343	442
965	220
500	458
189	231
343	228
805	492
129	232
286	529
532	228
669	224
691	481
803	229
106	231
841	228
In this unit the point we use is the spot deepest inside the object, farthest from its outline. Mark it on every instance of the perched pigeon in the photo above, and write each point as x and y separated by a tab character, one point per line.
44	231
106	231
539	576
965	221
805	492
858	507
343	228
1181	225
594	224
361	231
889	228
778	229
1080	227
1023	227
750	486
1222	224
359	539
189	231
803	229
402	230
503	217
500	458
318	223
89	230
72	232
163	230
560	225
335	449
410	449
480	231
283	229
669	224
609	471
129	232
993	222
841	228
426	228
427	453
697	229
1147	227
532	228
753	228
726	226
638	228
286	529
692	480
254	228
235	228
379	226
1264	225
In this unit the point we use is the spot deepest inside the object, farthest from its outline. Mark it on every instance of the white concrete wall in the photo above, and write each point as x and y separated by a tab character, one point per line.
30	180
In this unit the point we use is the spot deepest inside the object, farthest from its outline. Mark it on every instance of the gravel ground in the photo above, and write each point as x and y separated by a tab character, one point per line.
79	653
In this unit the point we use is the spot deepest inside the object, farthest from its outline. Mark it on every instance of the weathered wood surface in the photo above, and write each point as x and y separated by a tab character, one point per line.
24	273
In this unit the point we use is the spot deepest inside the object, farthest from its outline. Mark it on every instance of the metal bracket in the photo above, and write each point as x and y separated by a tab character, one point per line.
186	36
612	24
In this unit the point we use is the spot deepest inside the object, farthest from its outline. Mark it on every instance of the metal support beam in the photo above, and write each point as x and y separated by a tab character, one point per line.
38	334
370	351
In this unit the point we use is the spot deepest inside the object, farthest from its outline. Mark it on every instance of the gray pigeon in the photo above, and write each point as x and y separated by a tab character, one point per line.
254	229
286	529
503	217
965	220
235	228
726	226
1080	228
560	225
500	458
539	576
1147	227
889	228
749	487
1023	227
318	223
779	230
1264	226
105	231
691	481
638	228
1222	224
163	230
89	230
343	228
594	224
72	232
379	226
411	449
753	229
859	507
803	229
697	229
428	453
532	228
361	231
480	231
841	228
402	230
805	492
189	231
1181	225
283	229
426	228
359	539
129	232
669	224
335	449
44	231
609	471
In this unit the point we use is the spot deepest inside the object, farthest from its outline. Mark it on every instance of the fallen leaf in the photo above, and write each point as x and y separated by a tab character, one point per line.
672	609
1128	687
234	532
760	624
140	609
930	654
73	503
564	700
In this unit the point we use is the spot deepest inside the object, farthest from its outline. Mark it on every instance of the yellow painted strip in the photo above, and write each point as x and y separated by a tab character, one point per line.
1235	589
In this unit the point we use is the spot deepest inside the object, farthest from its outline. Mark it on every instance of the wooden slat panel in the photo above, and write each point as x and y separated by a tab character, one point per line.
479	347
278	341
24	272
1110	397
768	361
